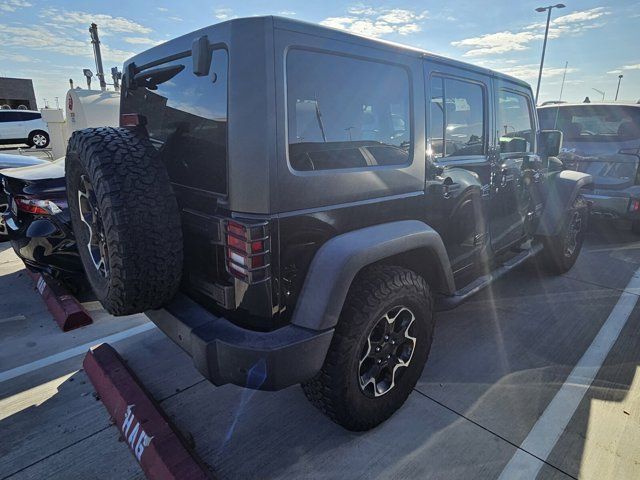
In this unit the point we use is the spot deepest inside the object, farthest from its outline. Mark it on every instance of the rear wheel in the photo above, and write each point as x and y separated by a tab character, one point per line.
378	351
561	251
4	207
125	218
38	139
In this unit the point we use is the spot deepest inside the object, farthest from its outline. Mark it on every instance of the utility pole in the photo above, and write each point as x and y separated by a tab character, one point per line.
564	75
93	31
544	45
618	89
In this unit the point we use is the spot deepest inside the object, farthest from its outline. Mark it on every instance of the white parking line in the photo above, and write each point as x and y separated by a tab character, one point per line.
72	352
535	449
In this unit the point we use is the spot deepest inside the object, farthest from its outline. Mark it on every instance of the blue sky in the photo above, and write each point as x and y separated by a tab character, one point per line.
48	40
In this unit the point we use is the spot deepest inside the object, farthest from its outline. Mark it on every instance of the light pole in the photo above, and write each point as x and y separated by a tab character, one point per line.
618	89
544	45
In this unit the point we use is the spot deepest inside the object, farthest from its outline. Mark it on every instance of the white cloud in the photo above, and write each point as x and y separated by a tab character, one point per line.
375	22
507	41
163	9
107	24
13	5
141	41
615	72
16	57
175	19
495	43
223	13
530	71
289	13
631	67
39	37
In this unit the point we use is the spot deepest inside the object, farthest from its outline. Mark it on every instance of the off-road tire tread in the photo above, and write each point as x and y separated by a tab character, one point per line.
552	256
140	217
369	289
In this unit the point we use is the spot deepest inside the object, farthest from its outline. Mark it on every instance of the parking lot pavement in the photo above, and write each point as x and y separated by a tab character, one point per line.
496	365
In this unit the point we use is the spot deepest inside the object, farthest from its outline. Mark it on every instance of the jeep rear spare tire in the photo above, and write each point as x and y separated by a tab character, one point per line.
125	218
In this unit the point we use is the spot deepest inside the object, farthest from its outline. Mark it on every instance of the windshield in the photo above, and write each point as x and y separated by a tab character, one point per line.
593	122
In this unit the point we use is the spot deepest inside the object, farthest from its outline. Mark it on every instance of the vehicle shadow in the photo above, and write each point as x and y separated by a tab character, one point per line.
496	363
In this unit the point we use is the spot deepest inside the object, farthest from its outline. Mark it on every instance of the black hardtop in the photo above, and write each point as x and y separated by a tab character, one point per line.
183	43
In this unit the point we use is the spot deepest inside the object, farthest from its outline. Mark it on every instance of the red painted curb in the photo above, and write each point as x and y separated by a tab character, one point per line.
66	310
155	443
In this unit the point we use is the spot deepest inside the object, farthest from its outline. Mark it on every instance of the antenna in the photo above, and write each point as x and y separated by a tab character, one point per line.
71	83
566	64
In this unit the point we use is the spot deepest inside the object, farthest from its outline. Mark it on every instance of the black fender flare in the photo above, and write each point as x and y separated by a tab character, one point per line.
562	190
339	260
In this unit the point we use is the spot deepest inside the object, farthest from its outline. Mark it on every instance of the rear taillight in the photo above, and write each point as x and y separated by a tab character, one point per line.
36	206
247	251
634	205
132	120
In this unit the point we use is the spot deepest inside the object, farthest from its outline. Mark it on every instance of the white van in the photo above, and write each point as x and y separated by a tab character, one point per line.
23	126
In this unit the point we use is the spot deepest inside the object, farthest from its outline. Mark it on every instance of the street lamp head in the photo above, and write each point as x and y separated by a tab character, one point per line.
541	9
560	5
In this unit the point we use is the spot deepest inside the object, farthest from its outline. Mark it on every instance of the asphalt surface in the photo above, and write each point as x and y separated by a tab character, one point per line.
508	381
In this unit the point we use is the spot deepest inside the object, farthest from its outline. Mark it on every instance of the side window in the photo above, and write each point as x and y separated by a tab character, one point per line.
30	116
11	117
346	113
515	123
457	118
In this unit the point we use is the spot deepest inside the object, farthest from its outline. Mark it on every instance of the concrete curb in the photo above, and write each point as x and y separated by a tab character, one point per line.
155	443
65	308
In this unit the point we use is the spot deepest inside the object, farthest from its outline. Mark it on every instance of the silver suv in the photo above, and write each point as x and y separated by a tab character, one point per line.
602	140
23	126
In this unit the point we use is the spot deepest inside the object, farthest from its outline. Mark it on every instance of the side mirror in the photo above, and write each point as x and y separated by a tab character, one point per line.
549	143
201	56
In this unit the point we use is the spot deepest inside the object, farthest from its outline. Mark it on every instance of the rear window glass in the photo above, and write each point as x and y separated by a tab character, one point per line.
593	122
187	122
346	113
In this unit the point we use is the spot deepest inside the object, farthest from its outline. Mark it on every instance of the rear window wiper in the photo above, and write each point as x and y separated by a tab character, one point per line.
150	79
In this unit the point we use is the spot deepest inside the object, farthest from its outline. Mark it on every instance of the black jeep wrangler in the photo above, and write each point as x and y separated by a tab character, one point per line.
290	204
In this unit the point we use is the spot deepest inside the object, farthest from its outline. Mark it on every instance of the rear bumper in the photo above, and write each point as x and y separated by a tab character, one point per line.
225	353
610	204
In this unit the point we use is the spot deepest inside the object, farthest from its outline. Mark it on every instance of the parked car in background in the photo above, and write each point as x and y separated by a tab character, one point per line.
604	141
37	221
23	126
12	161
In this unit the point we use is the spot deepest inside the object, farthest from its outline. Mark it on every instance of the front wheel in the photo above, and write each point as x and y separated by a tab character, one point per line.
561	251
378	351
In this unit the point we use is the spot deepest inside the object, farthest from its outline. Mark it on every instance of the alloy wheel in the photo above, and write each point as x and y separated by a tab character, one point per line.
90	216
39	140
571	238
3	226
387	352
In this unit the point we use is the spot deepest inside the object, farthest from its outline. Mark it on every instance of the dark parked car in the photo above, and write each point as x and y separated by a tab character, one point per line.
604	141
12	161
38	223
295	213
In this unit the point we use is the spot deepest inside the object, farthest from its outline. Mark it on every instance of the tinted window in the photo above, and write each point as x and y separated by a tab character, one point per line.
30	115
346	113
187	122
456	116
10	117
593	122
515	122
